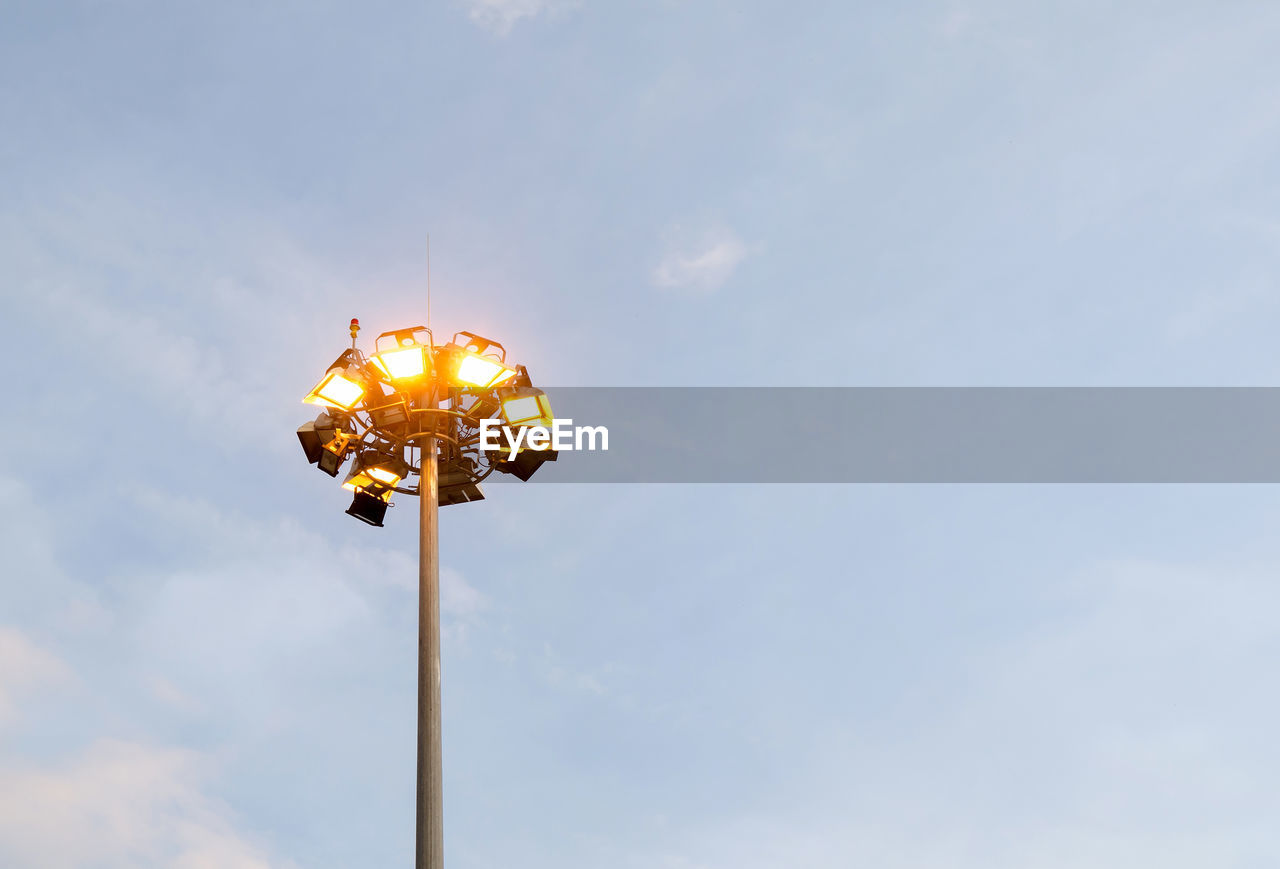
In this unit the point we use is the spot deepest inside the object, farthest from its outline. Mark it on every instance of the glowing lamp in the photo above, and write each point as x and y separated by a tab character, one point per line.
339	390
526	405
376	471
478	362
343	386
481	372
403	356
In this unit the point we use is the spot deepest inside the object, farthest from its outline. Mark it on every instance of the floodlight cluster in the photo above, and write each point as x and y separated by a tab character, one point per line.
377	410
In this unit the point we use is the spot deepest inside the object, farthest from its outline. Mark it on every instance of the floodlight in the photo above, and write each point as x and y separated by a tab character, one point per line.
392	414
483	407
526	405
376	470
526	463
311	439
338	389
481	372
479	362
326	441
406	357
523	463
457	483
343	386
368	508
335	453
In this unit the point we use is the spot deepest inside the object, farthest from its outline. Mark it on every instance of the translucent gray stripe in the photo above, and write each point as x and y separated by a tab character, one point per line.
922	435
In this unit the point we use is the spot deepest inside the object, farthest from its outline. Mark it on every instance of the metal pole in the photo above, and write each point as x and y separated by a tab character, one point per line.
430	837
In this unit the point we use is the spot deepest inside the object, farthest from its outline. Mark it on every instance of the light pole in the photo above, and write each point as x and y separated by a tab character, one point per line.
411	393
430	835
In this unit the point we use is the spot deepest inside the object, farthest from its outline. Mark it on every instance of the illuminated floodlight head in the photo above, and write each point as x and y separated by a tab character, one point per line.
343	386
339	390
376	470
479	363
525	405
481	372
403	356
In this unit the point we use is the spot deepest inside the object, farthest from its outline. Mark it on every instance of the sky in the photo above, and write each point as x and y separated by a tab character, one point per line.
205	663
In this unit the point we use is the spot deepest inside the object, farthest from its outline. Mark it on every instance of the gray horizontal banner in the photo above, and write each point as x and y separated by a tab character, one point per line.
920	435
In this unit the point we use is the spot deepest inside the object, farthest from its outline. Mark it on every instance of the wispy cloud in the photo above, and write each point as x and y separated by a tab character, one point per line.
458	598
499	16
698	258
556	674
120	804
23	666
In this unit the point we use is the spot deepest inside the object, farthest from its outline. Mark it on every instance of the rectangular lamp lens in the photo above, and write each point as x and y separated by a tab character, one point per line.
477	371
527	410
357	481
336	390
382	475
403	364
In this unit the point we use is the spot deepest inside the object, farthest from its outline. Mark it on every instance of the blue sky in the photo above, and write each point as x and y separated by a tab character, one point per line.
204	663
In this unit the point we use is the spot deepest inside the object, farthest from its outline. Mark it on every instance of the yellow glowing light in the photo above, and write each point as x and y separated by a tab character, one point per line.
402	364
336	390
362	481
528	410
382	475
367	476
478	371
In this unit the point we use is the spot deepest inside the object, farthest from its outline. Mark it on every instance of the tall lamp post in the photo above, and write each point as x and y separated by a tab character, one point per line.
415	408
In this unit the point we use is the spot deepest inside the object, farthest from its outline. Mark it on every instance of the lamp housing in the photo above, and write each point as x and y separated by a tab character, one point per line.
404	356
457	483
343	385
376	470
477	363
326	441
525	405
523	464
368	508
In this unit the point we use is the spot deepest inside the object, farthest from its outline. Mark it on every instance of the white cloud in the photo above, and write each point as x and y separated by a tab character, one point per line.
499	16
113	804
120	804
458	598
699	259
23	666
